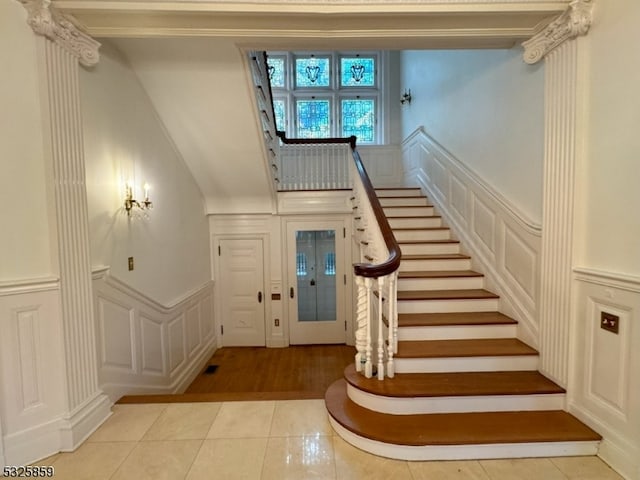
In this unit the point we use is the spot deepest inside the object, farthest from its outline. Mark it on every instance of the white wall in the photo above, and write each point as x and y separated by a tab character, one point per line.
125	140
606	385
24	246
486	108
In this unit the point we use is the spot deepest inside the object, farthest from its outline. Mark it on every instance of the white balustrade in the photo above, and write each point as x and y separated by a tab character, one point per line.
309	166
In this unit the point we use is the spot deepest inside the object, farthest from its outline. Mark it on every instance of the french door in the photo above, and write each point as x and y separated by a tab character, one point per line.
316	282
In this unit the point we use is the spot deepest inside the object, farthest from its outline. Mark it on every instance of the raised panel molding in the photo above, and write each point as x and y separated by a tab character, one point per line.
481	217
29	350
177	344
520	262
115	322
153	346
194	329
383	164
321	202
170	343
484	224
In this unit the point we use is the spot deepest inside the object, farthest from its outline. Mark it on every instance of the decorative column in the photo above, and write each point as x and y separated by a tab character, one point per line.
62	47
558	46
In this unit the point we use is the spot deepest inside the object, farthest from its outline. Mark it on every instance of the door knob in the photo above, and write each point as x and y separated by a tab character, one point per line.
259	297
312	283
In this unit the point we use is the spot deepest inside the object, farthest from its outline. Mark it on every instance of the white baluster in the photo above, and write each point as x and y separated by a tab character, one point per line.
380	329
368	365
361	324
392	322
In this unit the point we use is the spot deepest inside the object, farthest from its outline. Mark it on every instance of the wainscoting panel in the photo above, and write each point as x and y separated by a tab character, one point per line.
146	347
504	244
383	164
32	370
604	369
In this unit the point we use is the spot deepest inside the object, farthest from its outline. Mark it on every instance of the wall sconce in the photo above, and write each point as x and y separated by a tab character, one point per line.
406	97
130	202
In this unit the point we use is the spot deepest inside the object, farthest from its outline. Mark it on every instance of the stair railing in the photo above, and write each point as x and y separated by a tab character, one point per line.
376	278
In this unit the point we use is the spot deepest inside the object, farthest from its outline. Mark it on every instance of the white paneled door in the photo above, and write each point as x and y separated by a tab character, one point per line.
241	281
316	282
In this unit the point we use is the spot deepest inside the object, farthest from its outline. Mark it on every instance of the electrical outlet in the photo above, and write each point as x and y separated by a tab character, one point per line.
130	263
609	322
277	322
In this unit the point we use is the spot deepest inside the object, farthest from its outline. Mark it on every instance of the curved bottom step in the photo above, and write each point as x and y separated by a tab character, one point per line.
458	435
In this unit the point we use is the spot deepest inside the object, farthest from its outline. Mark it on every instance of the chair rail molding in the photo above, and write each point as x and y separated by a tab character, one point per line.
46	21
575	21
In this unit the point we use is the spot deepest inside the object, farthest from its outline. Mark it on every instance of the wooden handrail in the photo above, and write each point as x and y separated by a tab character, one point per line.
301	141
393	260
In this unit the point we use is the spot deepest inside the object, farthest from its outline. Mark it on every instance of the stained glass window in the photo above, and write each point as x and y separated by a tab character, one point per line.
330	263
275	68
301	264
357	72
279	108
359	118
312	72
313	118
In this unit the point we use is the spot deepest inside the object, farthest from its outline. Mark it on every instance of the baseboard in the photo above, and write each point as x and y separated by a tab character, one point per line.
27	446
76	427
614	450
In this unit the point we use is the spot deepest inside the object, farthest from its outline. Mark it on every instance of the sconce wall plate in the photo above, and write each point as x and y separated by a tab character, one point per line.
130	202
406	97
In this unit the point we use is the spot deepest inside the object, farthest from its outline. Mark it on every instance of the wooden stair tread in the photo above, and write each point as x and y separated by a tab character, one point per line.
453	318
485	347
403	196
468	294
440	274
396	188
436	256
426	242
416	229
454	428
411	385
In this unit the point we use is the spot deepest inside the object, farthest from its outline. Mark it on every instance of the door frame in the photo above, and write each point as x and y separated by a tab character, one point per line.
318	222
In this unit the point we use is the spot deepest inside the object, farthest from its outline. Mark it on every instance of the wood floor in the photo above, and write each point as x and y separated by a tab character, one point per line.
257	373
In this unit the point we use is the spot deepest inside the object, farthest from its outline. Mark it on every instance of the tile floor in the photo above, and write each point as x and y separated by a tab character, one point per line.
268	440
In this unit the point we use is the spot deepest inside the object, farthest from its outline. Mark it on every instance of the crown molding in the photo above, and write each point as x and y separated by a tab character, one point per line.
575	21
46	21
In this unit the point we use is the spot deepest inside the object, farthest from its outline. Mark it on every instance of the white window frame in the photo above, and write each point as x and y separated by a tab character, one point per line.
290	93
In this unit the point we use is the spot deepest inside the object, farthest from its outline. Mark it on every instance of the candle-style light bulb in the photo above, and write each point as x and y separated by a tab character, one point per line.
146	192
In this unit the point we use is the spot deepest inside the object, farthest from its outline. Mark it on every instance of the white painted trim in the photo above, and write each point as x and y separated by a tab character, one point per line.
516	299
29	285
527	223
102	273
455	404
465	452
76	427
605	278
453	332
614	449
466	364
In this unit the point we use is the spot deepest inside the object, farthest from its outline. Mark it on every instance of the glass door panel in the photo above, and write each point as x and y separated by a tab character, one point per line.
316	275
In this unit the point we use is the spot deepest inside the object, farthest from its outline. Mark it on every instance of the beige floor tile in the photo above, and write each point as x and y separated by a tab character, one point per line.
47	461
454	470
92	461
165	460
242	420
230	459
183	421
128	423
585	468
294	418
354	464
297	458
522	469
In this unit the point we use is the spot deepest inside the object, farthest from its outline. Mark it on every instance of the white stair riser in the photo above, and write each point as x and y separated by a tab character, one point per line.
467	364
406	201
423	222
458	404
429	248
408	211
435	264
466	452
439	234
444	283
456	332
411	192
448	306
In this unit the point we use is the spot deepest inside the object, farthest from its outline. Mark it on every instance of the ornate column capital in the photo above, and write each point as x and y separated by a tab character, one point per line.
575	21
46	21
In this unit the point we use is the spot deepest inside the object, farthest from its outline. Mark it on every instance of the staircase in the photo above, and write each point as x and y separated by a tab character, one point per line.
465	386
